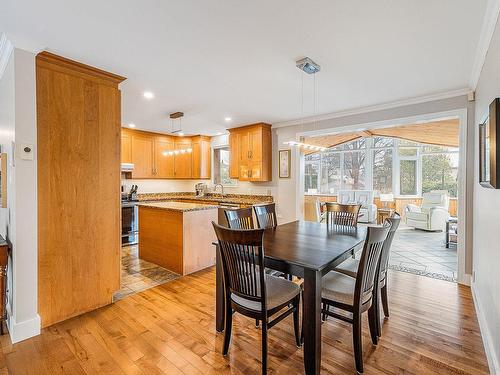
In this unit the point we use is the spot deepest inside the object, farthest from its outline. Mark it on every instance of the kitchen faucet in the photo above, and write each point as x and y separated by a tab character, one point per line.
221	188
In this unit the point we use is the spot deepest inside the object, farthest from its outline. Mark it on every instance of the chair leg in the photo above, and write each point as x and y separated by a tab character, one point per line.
296	305
264	347
357	343
385	302
326	307
257	323
228	328
376	303
372	316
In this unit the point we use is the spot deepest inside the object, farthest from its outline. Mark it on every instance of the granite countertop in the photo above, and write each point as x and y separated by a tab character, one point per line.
178	206
209	198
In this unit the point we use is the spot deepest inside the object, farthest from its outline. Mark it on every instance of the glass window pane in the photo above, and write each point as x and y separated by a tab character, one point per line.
383	142
221	164
311	175
407	151
330	173
354	171
382	170
358	144
408	177
439	172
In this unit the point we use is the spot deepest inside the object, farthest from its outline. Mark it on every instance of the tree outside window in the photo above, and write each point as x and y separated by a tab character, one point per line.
382	170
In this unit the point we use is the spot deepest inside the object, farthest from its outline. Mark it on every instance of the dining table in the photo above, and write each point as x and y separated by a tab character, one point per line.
308	250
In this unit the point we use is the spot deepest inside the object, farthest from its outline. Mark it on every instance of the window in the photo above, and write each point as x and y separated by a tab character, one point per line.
408	177
354	171
221	167
440	169
311	174
382	170
331	176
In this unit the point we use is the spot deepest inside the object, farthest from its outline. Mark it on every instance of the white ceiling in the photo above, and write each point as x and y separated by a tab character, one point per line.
212	59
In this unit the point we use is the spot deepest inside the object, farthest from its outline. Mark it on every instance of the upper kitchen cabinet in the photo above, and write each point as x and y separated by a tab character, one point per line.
163	162
126	148
251	152
183	158
202	154
142	155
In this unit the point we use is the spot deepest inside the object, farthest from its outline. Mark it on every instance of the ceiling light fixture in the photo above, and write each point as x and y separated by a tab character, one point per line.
306	146
174	116
176	152
308	66
148	95
227	119
131	125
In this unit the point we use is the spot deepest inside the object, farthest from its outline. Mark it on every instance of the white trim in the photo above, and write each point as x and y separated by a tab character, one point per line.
374	108
20	331
489	348
6	49
487	30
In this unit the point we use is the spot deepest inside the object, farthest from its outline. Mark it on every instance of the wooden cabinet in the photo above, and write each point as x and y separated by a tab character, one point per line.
79	236
164	163
151	154
252	146
183	160
143	156
202	157
126	148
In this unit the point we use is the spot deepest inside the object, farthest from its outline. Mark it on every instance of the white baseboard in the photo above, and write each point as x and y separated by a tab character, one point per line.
20	331
491	356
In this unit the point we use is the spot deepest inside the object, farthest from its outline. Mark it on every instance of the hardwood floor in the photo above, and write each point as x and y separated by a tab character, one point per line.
170	329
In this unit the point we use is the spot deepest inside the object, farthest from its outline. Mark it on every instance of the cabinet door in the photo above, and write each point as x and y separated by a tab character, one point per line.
164	164
234	155
126	148
201	158
142	156
244	146
255	171
255	145
183	160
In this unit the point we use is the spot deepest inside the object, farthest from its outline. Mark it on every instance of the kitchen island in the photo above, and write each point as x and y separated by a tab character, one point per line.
177	235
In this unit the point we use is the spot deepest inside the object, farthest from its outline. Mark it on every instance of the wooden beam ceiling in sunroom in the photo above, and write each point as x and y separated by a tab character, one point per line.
440	133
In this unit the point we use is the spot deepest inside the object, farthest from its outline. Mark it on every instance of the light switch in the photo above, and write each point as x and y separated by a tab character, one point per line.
26	150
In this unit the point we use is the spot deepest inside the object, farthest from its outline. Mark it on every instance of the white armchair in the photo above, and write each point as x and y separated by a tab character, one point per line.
368	211
432	214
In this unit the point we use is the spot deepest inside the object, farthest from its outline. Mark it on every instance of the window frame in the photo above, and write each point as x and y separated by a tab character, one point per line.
235	180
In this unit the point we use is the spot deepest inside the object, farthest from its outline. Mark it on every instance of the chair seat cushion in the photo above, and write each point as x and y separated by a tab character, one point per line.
349	267
338	287
418	216
278	292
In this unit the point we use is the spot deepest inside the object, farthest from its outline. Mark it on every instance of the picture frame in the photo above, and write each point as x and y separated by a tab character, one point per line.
284	162
489	148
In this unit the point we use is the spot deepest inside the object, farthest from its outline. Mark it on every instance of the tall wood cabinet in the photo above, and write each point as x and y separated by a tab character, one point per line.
149	153
251	152
78	126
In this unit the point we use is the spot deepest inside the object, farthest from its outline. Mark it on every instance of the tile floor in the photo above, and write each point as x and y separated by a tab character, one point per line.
139	275
423	253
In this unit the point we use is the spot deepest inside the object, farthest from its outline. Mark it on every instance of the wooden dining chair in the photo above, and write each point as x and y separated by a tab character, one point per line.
355	295
266	215
248	290
350	267
342	214
240	219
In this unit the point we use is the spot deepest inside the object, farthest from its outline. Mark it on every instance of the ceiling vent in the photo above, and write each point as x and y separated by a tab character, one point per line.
308	66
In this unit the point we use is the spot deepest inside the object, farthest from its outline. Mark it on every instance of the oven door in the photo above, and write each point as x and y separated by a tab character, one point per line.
129	224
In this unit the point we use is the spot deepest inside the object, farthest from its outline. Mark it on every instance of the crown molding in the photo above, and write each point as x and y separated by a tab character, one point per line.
6	49
375	108
487	30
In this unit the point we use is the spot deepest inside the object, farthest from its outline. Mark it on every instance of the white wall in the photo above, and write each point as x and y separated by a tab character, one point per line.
18	221
487	218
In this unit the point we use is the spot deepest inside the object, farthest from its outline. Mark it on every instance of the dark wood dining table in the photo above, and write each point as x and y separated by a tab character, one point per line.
308	250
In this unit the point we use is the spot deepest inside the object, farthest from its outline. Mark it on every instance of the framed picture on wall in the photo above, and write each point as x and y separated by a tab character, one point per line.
489	148
285	157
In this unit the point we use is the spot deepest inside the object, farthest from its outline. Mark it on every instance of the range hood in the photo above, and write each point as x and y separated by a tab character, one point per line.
127	167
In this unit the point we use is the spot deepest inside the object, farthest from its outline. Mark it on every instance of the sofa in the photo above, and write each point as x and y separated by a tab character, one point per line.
368	211
432	214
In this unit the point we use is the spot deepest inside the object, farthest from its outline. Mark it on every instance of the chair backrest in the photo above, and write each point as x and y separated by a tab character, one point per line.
368	264
435	198
386	249
312	209
363	197
345	196
266	215
242	255
239	219
342	214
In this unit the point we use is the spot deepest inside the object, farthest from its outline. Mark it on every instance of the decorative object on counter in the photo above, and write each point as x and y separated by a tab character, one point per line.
489	148
3	180
200	189
285	161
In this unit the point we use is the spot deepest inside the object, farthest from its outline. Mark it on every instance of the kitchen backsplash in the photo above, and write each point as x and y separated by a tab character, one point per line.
169	186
